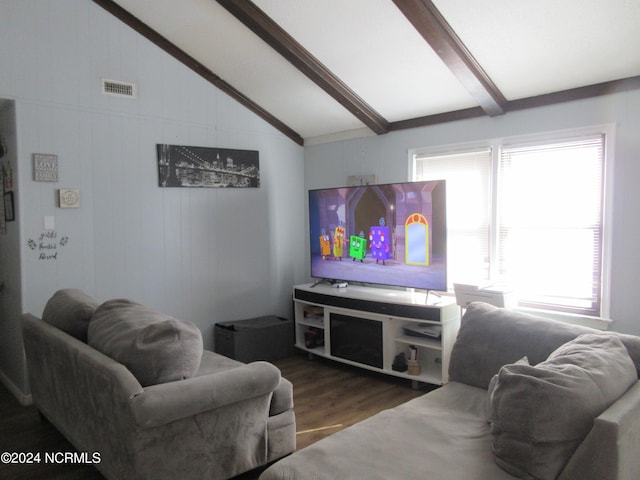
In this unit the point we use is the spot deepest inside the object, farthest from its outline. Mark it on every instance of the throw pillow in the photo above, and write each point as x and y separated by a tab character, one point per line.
155	347
70	310
542	413
492	387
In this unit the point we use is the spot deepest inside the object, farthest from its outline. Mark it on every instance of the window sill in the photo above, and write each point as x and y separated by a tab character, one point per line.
574	319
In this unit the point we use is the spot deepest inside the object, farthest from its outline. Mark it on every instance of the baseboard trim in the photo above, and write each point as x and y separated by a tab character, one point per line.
23	398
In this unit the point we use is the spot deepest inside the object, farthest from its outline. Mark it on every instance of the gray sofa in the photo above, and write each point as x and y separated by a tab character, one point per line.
155	405
527	398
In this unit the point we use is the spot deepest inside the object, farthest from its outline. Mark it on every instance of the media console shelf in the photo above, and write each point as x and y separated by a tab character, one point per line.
368	327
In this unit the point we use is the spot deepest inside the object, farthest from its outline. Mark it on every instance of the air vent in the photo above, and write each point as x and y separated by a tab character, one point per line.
118	88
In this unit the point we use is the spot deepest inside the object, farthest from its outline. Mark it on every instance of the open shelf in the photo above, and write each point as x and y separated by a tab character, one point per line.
420	342
312	322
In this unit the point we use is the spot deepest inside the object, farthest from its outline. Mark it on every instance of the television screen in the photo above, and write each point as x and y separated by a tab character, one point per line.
391	234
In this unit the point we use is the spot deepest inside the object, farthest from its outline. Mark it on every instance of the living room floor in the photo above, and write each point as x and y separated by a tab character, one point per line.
328	397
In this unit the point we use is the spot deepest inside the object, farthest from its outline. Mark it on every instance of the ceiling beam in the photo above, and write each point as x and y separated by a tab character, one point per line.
437	118
433	27
573	94
275	36
161	42
578	93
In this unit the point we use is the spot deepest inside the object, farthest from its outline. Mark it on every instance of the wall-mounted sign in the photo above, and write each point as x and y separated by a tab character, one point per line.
69	198
45	167
9	212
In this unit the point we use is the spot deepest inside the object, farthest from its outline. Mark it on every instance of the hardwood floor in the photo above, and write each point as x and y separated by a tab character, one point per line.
328	397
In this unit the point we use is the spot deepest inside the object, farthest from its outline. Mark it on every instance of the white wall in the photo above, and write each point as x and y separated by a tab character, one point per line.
387	156
206	255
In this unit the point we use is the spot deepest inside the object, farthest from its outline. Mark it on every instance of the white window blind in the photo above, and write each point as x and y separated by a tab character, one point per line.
468	186
550	220
528	216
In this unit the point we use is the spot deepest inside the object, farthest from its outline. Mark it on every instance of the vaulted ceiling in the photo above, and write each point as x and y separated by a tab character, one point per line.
325	70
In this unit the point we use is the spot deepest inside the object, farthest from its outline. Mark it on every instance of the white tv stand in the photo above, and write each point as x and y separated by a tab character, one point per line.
386	313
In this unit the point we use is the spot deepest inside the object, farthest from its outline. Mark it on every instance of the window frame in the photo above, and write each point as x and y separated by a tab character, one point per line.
495	145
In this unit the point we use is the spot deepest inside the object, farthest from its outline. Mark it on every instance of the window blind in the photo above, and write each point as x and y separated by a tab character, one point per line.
468	186
550	223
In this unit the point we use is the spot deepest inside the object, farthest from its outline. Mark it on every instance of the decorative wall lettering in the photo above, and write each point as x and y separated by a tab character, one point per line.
47	245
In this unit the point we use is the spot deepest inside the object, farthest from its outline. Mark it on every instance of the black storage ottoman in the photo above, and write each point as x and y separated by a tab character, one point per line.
262	338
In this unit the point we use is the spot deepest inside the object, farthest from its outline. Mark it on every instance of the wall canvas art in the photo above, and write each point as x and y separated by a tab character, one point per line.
183	166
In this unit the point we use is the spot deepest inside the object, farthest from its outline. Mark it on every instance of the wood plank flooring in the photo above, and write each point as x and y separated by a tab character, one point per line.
328	397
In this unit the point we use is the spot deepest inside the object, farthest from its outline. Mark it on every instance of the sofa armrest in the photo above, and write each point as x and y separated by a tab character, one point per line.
168	402
611	449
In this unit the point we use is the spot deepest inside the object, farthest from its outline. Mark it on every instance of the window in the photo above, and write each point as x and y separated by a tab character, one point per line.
527	215
468	176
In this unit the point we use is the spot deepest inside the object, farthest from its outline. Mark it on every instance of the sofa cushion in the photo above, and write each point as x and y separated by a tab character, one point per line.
70	310
490	337
155	347
542	413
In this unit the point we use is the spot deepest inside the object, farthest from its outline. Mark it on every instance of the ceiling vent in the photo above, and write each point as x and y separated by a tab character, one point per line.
118	88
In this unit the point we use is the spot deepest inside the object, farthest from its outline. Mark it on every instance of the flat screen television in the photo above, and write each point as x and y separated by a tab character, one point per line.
391	234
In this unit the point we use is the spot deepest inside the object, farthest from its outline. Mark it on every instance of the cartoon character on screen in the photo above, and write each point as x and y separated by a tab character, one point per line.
325	244
338	241
379	242
357	247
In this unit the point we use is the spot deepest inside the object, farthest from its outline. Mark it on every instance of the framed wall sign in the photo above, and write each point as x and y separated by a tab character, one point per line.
3	223
9	212
69	198
45	167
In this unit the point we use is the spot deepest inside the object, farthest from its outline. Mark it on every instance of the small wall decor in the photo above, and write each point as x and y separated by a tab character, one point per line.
182	166
8	176
3	224
359	180
69	198
45	167
9	212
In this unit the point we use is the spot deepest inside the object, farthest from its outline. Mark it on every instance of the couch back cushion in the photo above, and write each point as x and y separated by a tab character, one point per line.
490	337
540	414
155	347
70	310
